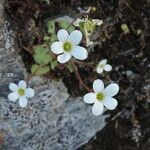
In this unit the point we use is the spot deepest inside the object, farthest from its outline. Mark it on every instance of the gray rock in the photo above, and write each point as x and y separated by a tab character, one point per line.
52	120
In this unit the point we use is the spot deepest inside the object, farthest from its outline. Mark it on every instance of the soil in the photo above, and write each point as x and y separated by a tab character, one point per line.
128	127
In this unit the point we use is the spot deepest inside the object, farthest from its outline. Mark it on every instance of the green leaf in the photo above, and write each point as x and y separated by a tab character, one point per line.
42	58
54	64
51	30
65	24
51	26
40	49
39	70
46	38
70	67
42	55
53	38
34	68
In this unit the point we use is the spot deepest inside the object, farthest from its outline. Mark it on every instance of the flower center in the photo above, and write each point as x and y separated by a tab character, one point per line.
100	96
101	65
67	46
21	91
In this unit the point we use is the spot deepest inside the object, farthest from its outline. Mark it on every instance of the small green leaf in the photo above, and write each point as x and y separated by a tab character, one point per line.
65	25
51	30
53	38
70	67
51	26
42	55
54	64
40	49
39	70
34	68
46	38
42	58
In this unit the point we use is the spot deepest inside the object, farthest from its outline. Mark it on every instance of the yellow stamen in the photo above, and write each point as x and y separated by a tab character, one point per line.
21	91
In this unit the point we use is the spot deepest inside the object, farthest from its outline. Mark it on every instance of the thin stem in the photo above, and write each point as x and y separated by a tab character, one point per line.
79	77
87	39
90	65
70	24
29	77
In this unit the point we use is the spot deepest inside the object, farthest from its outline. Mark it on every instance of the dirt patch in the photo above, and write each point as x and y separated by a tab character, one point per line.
127	53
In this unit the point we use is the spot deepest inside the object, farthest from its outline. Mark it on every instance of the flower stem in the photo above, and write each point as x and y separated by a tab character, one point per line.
29	77
75	69
90	65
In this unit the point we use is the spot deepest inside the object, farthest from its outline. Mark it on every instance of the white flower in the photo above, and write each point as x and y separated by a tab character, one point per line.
103	66
20	92
102	97
67	46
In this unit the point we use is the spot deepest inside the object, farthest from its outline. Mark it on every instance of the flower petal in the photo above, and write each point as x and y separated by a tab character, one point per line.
63	58
79	53
111	90
110	103
23	101
97	108
99	70
29	92
75	37
22	84
62	35
13	87
57	47
97	22
103	62
98	85
89	98
107	67
77	22
13	96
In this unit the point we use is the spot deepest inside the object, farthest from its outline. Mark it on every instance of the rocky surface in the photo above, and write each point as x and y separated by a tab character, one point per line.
52	120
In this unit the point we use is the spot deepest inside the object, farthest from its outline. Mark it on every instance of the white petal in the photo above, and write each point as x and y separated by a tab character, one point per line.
77	22
98	85
99	70
62	35
13	87
79	53
22	84
23	101
97	108
110	103
57	47
97	21
75	37
29	92
63	58
111	90
107	67
13	96
103	62
89	98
